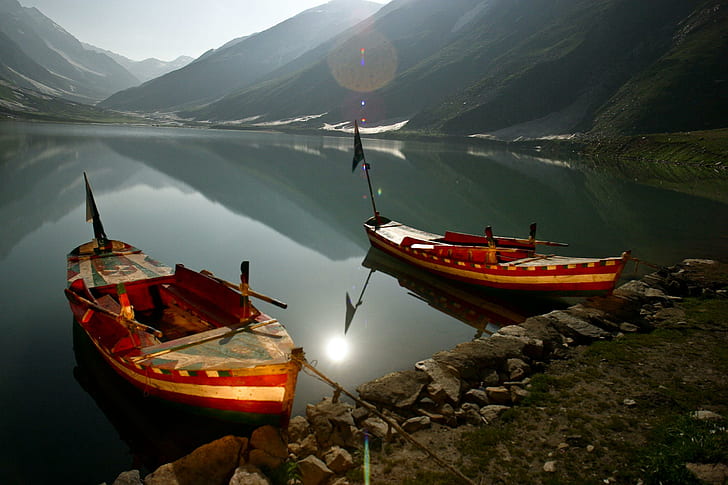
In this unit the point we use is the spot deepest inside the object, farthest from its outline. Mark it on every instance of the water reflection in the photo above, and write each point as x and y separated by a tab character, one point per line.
155	432
481	308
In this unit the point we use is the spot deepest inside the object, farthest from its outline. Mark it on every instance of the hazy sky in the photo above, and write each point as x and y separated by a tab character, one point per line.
166	29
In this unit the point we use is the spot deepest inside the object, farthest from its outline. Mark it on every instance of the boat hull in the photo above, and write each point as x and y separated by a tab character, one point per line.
224	370
541	274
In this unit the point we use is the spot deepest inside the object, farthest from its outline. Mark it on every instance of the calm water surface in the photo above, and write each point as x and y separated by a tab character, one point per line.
290	205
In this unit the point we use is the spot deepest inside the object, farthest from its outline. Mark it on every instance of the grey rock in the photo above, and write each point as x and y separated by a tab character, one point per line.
131	477
211	464
298	428
498	394
314	471
518	394
492	411
397	389
703	414
477	396
517	369
377	427
417	423
332	423
576	328
469	358
444	382
249	475
338	460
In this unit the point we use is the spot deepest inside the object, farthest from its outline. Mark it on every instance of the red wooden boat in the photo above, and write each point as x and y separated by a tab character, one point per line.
506	263
186	337
498	262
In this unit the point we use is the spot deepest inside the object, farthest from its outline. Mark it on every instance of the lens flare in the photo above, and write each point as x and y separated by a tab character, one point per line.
347	62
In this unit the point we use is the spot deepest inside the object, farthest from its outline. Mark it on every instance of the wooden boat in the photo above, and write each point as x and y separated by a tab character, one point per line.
183	336
496	262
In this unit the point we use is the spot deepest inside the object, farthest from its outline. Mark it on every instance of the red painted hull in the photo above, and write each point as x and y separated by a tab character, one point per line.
218	369
471	264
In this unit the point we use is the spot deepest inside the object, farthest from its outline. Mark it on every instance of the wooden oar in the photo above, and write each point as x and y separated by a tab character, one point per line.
250	292
209	336
127	321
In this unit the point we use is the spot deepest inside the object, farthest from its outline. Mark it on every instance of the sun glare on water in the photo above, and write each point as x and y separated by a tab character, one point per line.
337	349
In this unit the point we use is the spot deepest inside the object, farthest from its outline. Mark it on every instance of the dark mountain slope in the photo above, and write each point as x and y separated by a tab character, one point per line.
507	68
685	90
217	73
331	77
563	70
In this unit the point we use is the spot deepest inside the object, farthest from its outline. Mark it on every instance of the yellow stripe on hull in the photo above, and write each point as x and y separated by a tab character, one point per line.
243	393
500	279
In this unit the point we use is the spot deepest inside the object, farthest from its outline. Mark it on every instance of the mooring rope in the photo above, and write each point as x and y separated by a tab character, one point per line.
392	423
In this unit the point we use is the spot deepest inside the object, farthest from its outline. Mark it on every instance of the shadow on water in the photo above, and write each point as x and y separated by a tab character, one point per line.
483	309
155	432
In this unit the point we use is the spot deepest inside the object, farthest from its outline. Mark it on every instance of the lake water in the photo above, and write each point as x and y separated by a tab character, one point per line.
290	205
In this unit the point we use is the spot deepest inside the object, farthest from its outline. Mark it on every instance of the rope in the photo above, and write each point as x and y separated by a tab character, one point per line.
392	423
642	261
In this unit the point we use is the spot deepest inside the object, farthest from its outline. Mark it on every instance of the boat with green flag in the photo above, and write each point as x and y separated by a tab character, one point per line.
185	337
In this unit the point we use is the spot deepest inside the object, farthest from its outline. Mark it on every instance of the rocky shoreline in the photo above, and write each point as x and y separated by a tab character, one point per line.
470	385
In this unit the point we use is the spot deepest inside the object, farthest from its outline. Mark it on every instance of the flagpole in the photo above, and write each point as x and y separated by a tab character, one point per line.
359	151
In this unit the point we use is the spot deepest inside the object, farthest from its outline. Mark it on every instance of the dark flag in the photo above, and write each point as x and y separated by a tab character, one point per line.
358	148
92	215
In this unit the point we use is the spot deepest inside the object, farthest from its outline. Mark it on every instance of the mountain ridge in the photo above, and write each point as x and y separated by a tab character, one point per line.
241	63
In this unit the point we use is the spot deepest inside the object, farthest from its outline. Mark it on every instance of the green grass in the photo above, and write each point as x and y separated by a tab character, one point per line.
678	441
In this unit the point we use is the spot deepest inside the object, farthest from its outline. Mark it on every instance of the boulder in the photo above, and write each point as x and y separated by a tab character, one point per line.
469	358
576	328
498	394
210	464
305	447
469	413
417	423
492	411
298	428
131	477
397	389
313	471
332	423
377	427
338	460
360	414
444	382
249	475
704	414
268	439
542	330
477	396
518	394
517	369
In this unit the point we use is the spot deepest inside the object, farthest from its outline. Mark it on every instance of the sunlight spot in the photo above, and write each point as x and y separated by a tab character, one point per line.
337	349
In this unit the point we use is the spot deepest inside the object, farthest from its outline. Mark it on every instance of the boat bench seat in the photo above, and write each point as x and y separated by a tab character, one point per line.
197	305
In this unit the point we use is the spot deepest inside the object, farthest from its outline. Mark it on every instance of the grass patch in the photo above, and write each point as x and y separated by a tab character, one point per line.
678	441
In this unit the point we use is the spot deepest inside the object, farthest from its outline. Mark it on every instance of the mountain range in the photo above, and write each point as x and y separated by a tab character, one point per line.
493	68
